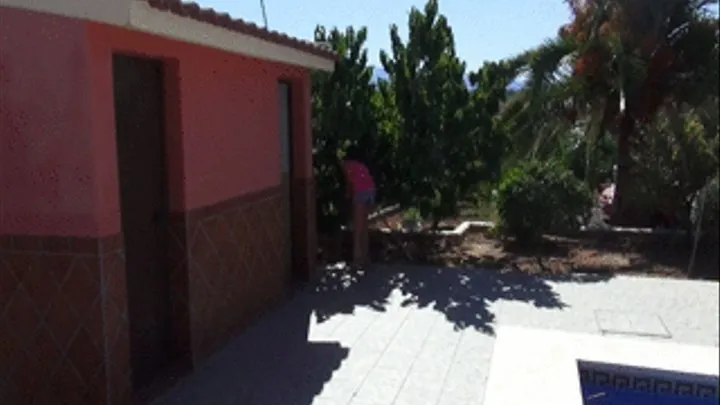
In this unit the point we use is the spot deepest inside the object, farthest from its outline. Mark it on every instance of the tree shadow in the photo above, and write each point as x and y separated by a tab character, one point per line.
463	295
272	362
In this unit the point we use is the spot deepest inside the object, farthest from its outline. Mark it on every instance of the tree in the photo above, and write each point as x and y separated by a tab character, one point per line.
675	157
440	149
344	114
489	93
618	63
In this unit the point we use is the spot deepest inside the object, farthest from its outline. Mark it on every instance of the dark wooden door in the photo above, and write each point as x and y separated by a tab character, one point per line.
286	174
138	85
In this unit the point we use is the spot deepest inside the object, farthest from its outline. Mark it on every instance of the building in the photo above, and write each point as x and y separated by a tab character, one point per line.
156	190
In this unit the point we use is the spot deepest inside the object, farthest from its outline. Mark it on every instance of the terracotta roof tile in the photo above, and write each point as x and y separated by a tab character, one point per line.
220	19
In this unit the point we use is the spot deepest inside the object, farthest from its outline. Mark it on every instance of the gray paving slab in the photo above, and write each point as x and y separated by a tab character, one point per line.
403	335
631	323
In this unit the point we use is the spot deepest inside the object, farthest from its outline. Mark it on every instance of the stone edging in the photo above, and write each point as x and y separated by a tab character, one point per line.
459	230
384	211
463	227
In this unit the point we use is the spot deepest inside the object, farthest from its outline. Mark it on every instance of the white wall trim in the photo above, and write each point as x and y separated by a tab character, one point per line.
138	15
162	23
116	12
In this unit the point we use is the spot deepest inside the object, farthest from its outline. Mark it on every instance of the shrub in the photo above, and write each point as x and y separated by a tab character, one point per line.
412	214
535	198
710	211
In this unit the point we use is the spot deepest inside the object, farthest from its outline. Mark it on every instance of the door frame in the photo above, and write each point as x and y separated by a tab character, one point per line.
290	189
173	197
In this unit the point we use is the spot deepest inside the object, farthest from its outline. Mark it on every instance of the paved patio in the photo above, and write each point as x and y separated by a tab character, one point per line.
425	335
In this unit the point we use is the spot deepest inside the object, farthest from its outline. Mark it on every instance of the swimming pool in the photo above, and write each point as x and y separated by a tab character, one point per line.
597	395
558	368
609	384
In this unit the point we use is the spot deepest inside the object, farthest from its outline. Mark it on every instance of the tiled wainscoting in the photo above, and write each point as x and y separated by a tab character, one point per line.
64	335
62	314
236	269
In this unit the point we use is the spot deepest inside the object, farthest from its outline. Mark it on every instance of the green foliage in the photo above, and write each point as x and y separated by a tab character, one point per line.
447	141
593	161
344	113
708	217
490	138
433	143
535	198
647	53
674	159
412	214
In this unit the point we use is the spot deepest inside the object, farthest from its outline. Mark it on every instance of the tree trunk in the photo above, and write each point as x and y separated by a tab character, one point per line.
596	130
621	204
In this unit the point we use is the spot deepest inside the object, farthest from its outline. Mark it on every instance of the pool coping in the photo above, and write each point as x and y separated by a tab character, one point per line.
541	366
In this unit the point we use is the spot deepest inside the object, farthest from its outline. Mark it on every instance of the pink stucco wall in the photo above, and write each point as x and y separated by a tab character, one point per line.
59	177
59	165
222	125
46	147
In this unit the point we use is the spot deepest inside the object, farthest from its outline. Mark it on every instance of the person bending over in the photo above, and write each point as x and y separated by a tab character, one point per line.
361	192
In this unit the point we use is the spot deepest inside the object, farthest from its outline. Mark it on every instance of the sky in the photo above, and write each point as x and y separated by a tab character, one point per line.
485	30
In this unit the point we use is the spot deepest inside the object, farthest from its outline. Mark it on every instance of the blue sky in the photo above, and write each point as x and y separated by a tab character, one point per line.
484	29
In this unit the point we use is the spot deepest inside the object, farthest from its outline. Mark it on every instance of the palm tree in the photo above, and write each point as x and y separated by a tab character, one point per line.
615	65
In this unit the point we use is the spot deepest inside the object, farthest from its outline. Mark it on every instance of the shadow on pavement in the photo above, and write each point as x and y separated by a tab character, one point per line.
272	363
462	295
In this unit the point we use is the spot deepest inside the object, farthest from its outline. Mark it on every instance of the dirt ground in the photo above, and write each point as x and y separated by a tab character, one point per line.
556	255
598	253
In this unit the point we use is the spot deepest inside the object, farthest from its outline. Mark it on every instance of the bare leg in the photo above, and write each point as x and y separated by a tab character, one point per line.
365	235
357	233
362	219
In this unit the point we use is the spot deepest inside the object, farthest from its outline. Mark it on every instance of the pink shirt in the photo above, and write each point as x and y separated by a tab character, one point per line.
358	176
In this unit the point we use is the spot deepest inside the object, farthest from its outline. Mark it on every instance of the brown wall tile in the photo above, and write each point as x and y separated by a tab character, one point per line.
63	301
51	322
236	266
178	262
117	368
304	228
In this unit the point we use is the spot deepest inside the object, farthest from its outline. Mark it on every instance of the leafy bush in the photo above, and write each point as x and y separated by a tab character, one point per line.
672	161
539	197
599	169
412	214
710	211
